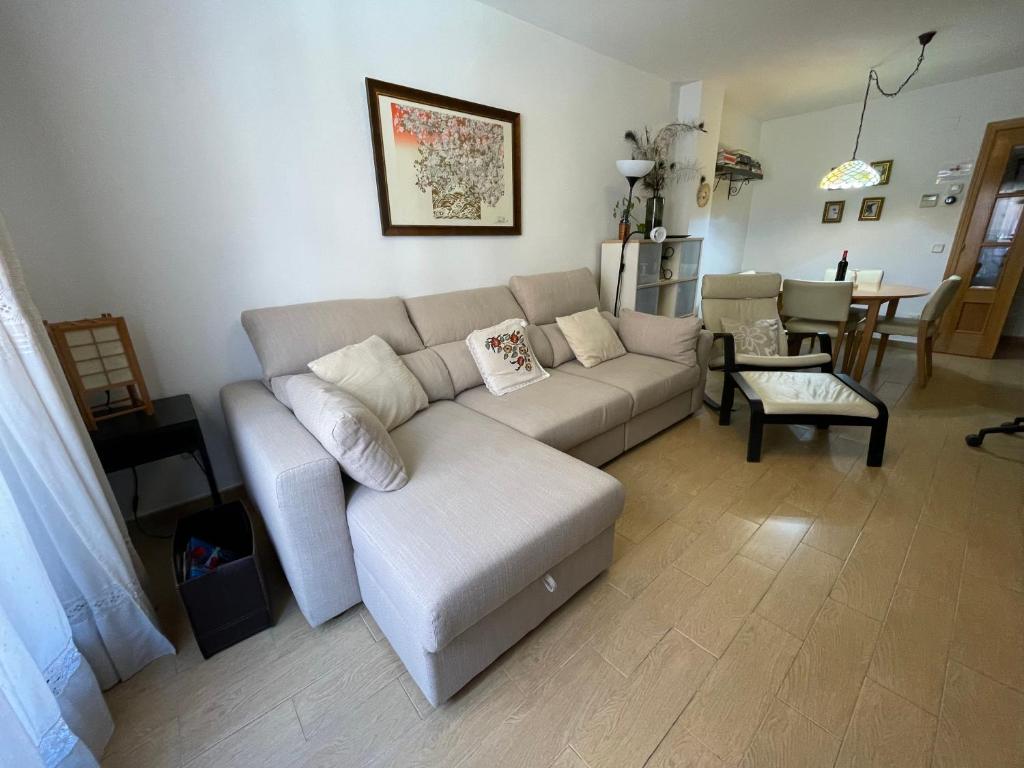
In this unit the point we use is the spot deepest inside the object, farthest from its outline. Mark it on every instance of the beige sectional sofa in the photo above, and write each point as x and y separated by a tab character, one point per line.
504	516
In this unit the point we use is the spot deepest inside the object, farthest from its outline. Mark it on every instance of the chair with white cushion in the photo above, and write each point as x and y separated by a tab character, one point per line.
863	280
757	341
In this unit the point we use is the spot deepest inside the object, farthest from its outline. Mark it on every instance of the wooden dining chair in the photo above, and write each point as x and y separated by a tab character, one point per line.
866	279
923	328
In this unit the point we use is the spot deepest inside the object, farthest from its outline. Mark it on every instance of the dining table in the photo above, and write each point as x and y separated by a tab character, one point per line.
888	294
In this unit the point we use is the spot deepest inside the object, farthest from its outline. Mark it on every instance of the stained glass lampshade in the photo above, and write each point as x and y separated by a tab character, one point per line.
852	174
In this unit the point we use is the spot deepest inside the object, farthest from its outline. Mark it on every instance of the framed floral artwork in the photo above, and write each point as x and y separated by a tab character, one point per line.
444	166
833	212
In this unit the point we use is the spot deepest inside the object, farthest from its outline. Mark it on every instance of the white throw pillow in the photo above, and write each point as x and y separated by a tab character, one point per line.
504	358
349	431
373	373
757	337
591	337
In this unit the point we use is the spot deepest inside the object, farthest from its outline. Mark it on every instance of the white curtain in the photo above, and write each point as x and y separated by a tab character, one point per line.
73	617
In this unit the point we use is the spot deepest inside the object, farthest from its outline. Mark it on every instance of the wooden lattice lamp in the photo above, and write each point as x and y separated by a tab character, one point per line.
99	360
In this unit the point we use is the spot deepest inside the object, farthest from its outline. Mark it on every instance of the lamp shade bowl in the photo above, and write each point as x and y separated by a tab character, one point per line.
634	169
853	174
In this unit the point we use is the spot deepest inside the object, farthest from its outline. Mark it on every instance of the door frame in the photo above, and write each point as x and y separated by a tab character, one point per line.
945	340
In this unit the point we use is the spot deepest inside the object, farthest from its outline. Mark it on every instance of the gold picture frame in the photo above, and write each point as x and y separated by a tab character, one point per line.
884	168
871	209
832	213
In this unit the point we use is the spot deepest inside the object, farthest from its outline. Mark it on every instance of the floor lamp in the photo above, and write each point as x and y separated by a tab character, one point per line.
633	170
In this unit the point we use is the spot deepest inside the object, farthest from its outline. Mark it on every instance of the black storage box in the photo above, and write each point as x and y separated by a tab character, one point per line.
231	603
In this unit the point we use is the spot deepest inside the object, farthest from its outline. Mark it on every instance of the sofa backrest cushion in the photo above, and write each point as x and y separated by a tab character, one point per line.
444	320
554	294
444	317
287	338
427	366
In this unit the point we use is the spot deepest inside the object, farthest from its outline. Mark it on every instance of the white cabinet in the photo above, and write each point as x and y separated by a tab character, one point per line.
659	278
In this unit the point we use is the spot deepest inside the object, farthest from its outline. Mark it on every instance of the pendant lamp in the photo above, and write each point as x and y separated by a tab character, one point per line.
855	173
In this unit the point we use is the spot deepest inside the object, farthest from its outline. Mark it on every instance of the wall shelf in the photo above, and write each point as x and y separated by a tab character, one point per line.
737	177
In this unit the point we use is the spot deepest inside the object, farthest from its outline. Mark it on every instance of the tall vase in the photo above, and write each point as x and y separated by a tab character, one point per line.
654	213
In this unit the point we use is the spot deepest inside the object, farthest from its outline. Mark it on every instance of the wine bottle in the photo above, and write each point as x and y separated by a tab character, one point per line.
841	268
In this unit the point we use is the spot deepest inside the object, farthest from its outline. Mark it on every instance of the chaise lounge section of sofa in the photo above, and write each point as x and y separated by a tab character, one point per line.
505	515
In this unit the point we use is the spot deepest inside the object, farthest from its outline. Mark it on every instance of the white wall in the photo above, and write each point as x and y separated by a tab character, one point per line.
177	163
922	131
727	227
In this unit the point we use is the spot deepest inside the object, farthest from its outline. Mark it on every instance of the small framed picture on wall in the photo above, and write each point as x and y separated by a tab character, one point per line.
884	168
833	212
871	208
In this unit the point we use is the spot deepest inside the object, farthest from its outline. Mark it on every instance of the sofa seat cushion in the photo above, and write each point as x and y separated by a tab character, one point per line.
562	411
649	381
486	512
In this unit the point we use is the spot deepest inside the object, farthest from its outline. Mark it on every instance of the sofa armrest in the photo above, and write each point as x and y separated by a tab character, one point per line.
297	487
705	342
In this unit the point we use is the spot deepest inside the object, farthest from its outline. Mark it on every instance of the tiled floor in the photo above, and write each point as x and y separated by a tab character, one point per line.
804	611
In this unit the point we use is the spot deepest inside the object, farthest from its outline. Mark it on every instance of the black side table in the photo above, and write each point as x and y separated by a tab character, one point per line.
138	438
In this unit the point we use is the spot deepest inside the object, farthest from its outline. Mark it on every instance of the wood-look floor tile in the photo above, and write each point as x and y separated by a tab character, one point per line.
910	658
981	724
995	551
371	624
269	741
934	563
777	537
869	577
652	502
642	564
717	614
886	731
681	749
162	749
952	490
739	690
712	550
787	739
628	638
537	732
989	632
826	675
145	705
712	501
765	495
825	474
353	735
621	546
359	673
534	659
423	706
452	731
627	727
799	590
568	759
839	522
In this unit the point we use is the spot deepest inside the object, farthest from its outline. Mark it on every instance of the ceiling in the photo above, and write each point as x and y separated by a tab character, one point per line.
786	57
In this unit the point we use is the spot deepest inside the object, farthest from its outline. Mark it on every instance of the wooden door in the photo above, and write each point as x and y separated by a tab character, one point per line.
987	252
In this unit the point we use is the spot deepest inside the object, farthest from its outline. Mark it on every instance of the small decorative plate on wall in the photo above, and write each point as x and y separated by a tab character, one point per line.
703	192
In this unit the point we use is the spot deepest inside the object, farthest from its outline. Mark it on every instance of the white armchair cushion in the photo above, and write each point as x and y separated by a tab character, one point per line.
374	374
757	337
591	337
504	357
349	431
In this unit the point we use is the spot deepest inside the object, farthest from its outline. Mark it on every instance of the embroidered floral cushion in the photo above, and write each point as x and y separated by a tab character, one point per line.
504	358
760	337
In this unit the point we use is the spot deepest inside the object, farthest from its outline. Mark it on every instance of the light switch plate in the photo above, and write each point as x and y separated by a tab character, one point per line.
956	189
929	201
938	248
